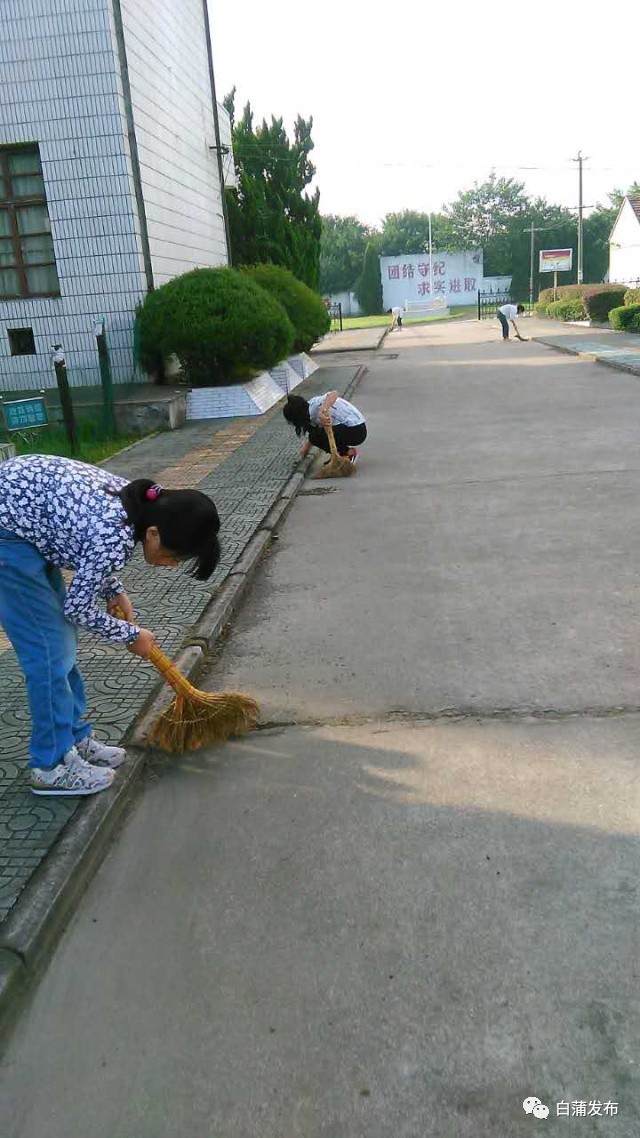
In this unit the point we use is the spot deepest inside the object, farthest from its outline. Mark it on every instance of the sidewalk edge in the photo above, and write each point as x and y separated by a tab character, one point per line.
631	369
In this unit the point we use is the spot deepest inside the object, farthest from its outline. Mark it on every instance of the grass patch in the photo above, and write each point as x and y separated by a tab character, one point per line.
93	444
385	320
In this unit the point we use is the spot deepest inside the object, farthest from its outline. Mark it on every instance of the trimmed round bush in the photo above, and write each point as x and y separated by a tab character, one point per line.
625	318
600	299
303	306
567	310
632	296
220	324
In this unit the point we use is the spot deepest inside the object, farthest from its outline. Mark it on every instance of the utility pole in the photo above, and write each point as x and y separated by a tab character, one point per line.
531	272
580	160
534	229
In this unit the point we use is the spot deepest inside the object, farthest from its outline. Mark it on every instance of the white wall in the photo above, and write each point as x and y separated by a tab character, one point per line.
173	114
60	88
624	247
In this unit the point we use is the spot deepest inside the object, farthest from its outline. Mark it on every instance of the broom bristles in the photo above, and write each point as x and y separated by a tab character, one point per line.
190	723
337	467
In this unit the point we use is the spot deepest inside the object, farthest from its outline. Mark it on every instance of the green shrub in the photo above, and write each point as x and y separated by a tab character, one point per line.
219	323
572	309
563	292
632	296
540	308
600	299
570	292
626	318
303	306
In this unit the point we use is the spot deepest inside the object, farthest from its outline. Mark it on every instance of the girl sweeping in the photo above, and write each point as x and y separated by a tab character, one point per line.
311	417
58	513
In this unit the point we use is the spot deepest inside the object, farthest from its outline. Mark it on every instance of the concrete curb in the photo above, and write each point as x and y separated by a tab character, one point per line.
631	369
35	924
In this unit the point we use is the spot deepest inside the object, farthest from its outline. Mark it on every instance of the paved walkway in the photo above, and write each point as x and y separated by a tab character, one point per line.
243	464
351	340
618	349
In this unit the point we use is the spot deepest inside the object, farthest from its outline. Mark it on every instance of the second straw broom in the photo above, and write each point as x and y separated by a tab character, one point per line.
197	718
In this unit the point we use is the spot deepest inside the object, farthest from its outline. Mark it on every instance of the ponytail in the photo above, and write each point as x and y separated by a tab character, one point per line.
187	522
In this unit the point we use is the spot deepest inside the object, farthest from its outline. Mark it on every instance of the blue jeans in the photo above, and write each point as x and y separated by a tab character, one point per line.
31	612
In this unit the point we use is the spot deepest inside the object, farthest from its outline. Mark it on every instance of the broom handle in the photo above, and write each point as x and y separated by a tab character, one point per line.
167	670
332	439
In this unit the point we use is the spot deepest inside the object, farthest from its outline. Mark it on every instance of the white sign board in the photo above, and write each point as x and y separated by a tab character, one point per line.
555	260
415	280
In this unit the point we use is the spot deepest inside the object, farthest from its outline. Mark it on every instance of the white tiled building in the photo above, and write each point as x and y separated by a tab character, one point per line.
624	243
111	151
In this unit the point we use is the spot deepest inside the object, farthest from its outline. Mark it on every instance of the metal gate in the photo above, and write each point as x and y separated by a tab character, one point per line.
490	302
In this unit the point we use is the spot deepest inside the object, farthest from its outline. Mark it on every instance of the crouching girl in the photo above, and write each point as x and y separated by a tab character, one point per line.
57	513
311	417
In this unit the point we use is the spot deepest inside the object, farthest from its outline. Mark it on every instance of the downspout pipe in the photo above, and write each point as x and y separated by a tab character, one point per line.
216	128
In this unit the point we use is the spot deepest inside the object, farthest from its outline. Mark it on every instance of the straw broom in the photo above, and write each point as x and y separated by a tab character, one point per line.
337	467
197	718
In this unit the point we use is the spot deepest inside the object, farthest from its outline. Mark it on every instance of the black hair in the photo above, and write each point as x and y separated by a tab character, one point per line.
296	412
520	308
187	521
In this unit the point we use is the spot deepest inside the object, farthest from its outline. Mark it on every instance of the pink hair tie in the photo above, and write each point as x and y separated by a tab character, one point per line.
152	493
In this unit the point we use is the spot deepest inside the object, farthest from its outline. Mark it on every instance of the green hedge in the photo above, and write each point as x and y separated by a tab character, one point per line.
303	306
632	296
566	309
599	301
219	323
626	318
563	292
570	292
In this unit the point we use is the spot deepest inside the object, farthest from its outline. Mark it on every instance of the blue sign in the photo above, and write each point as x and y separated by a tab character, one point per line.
21	414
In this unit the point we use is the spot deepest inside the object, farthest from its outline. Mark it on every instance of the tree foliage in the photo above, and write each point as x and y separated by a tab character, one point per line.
302	305
272	217
405	232
342	246
369	284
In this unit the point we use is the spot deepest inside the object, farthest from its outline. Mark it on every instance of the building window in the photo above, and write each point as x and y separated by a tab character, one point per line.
27	262
21	341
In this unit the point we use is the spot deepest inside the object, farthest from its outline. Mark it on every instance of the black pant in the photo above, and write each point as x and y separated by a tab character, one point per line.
345	437
505	325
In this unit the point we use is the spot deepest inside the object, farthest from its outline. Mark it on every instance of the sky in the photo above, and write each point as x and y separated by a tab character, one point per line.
413	102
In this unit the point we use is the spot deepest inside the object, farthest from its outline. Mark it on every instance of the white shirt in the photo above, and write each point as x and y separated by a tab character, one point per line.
397	311
342	413
509	310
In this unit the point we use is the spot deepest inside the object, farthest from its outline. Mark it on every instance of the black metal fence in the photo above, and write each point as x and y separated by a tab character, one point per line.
490	302
335	312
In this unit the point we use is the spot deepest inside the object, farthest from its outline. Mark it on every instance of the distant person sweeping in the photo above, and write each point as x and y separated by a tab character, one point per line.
396	314
507	315
311	417
56	513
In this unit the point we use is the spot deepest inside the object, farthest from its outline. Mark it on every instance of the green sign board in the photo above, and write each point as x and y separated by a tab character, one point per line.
22	414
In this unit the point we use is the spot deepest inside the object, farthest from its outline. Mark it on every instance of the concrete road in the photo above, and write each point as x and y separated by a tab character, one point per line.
411	902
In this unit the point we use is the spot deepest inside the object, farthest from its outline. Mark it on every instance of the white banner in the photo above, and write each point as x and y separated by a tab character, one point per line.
415	280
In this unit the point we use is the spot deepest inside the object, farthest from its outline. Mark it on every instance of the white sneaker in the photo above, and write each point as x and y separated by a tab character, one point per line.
100	754
71	777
